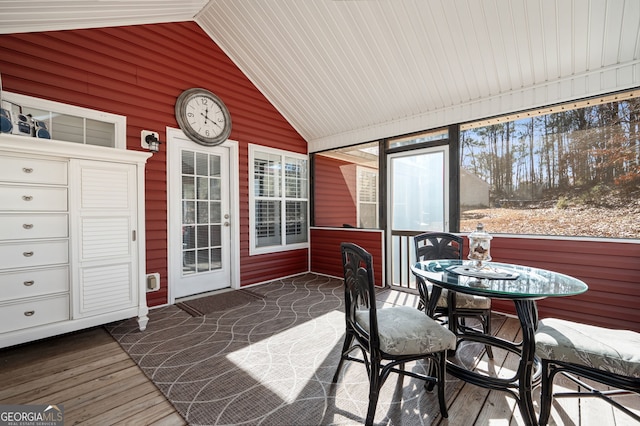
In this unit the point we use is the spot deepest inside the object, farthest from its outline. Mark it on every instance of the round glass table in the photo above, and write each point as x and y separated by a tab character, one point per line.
521	284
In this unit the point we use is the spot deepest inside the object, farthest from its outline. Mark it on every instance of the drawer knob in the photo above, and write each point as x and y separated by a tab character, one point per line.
27	225
29	283
27	197
27	253
27	169
29	313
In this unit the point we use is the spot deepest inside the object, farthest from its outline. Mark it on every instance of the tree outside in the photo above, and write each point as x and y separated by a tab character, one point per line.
573	171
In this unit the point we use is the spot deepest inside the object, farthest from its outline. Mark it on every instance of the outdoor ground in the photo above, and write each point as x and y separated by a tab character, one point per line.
618	222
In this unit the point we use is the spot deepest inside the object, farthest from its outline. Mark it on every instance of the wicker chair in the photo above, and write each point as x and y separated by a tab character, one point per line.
610	357
455	307
390	337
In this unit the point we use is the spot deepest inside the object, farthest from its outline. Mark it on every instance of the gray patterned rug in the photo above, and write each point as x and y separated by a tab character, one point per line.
270	361
226	300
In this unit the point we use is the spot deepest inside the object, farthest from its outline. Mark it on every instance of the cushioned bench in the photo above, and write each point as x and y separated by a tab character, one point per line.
607	356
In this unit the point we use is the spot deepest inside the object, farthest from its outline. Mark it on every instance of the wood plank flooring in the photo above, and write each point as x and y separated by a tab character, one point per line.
90	375
98	384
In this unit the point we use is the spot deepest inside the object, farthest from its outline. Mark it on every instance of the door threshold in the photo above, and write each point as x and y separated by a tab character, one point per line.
205	294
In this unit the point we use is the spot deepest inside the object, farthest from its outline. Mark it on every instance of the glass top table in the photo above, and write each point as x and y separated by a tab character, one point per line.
498	280
521	284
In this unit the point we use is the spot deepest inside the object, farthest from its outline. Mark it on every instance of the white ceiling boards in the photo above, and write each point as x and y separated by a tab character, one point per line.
351	71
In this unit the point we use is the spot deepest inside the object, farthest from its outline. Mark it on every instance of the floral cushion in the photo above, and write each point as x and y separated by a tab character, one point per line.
404	330
463	300
614	351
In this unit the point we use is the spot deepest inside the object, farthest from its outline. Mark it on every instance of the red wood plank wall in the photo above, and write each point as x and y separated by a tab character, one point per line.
610	269
138	72
335	192
325	250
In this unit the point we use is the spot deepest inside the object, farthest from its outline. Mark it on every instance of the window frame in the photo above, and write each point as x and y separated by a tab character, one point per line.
119	121
283	246
369	171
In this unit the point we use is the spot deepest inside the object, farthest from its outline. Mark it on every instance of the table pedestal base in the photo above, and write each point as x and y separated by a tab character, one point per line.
528	374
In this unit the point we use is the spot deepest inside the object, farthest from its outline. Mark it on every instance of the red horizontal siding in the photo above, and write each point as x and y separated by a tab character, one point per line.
335	192
267	267
610	269
325	250
138	72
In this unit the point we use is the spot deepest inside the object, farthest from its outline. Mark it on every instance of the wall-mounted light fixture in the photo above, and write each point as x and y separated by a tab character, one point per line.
150	140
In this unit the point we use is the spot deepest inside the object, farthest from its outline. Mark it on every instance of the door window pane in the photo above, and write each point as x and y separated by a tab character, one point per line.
201	205
418	192
215	211
188	163
188	187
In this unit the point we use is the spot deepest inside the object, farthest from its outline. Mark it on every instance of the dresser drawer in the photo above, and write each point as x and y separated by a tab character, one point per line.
32	170
33	198
29	226
33	312
36	253
34	282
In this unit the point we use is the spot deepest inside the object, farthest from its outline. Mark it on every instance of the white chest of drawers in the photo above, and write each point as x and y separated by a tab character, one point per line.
71	237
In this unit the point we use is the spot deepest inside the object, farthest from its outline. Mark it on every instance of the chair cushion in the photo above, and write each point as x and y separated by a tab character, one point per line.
404	330
614	351
463	300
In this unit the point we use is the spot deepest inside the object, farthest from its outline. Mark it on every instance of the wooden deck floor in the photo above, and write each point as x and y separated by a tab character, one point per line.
99	384
90	375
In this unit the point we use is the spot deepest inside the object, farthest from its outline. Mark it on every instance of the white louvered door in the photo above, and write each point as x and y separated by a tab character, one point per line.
104	215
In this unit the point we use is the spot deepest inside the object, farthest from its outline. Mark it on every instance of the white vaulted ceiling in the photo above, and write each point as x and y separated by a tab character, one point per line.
350	71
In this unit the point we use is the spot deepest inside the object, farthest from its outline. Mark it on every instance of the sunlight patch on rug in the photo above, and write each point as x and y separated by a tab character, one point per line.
291	359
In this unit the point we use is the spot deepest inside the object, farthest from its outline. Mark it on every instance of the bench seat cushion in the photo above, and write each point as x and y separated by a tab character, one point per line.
614	351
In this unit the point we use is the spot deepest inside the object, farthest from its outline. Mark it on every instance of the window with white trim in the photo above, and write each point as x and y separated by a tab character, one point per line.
278	200
367	197
64	122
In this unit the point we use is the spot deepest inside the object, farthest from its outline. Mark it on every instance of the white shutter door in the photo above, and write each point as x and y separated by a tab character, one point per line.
105	217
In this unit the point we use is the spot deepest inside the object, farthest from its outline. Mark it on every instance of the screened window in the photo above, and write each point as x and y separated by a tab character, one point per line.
424	137
571	170
279	206
346	187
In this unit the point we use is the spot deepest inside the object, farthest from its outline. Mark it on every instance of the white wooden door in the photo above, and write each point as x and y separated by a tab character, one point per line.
199	218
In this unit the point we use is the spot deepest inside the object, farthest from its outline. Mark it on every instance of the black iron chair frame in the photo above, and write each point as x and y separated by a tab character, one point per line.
624	386
358	276
442	248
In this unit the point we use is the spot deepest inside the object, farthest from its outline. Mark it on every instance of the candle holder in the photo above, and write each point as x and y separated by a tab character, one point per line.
479	247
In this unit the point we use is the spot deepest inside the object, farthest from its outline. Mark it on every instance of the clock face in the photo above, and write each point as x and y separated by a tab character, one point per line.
203	117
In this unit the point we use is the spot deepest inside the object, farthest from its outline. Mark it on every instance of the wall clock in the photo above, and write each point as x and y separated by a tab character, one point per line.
203	117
